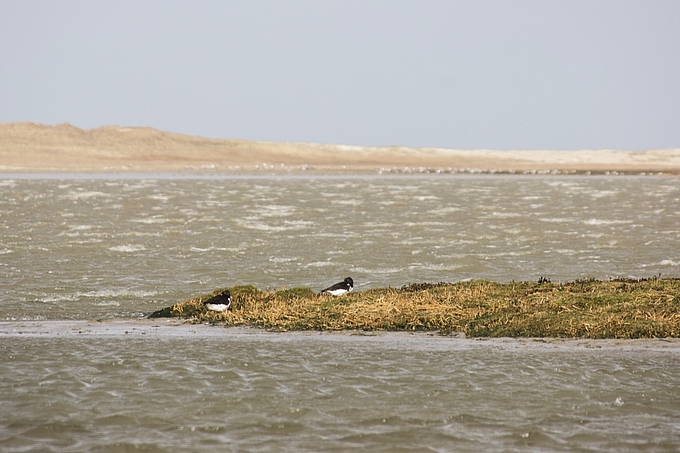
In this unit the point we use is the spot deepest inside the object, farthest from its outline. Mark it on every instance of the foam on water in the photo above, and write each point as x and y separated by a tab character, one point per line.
262	226
319	264
128	248
278	259
557	219
606	222
150	221
80	195
277	211
102	294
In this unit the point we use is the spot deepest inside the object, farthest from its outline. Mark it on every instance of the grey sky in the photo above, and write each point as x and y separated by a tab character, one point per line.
454	74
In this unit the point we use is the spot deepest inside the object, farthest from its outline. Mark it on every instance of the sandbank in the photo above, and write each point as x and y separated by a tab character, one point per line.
39	148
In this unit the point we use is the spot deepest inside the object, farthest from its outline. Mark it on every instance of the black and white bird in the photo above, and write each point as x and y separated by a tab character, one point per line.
341	288
221	302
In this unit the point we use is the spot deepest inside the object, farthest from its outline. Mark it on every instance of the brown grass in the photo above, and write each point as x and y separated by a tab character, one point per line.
647	308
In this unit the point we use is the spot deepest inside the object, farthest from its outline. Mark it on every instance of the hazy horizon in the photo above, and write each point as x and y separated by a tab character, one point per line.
459	75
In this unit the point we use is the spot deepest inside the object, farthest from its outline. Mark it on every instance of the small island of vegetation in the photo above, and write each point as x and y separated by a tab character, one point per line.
621	308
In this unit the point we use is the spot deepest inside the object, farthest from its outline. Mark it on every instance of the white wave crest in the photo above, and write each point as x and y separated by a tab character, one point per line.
127	248
606	222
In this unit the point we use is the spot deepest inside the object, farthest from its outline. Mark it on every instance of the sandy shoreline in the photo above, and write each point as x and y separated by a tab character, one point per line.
174	328
37	148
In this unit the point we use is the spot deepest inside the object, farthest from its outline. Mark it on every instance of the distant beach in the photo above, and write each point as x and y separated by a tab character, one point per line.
38	148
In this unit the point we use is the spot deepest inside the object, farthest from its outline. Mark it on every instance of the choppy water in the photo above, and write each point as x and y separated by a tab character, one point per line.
79	248
320	392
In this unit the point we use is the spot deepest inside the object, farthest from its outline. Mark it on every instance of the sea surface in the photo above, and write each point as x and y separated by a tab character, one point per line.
116	247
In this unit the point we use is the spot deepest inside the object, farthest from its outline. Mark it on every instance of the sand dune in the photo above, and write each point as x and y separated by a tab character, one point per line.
30	147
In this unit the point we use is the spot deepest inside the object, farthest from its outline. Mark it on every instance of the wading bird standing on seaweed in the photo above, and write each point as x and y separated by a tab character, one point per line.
221	302
341	288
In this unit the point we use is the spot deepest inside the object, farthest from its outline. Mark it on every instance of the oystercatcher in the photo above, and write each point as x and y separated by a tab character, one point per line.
221	302
341	288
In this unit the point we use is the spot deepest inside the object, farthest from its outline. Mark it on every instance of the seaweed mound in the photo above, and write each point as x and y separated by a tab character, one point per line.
630	308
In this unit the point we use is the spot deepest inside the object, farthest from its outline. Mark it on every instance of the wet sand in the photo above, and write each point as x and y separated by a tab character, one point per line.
31	148
174	328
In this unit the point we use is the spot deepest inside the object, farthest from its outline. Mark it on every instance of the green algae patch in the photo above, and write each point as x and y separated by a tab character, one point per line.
646	308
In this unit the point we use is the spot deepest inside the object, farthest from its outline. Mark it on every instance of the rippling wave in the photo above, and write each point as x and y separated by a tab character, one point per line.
107	247
144	243
320	392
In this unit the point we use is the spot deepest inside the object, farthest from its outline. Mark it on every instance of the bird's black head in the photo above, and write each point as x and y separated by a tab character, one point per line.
226	294
349	281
